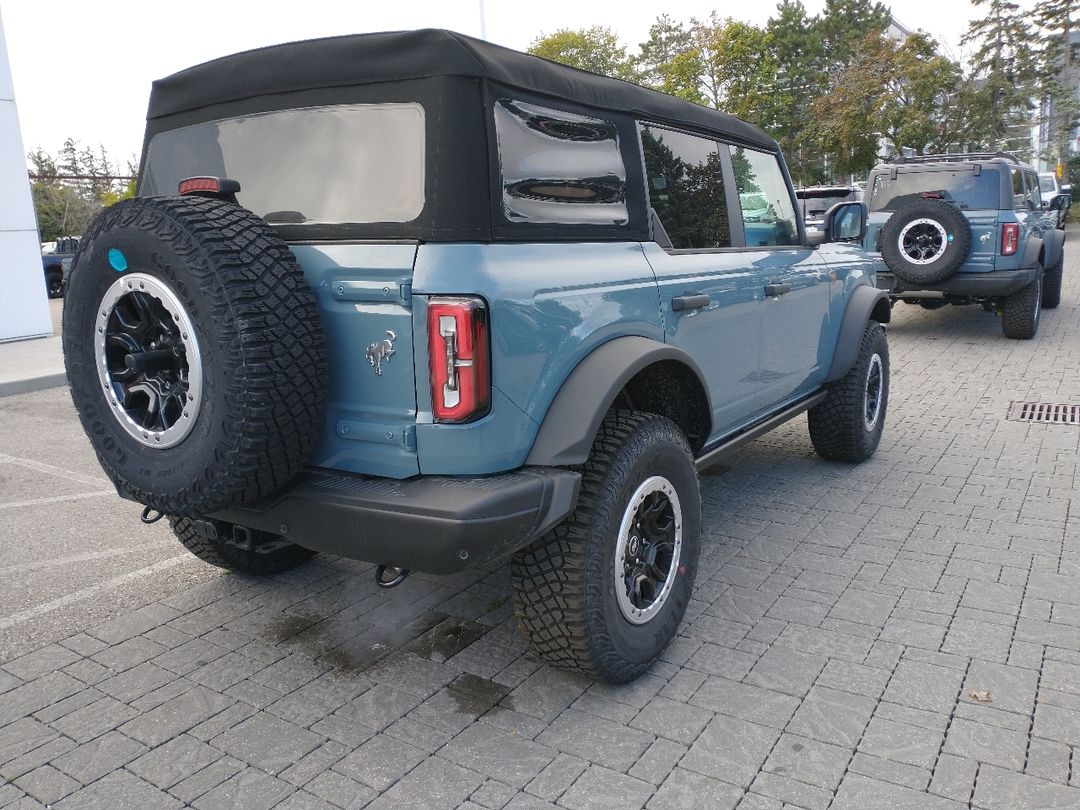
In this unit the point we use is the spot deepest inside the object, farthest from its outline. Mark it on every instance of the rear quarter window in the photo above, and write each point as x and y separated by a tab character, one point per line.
558	167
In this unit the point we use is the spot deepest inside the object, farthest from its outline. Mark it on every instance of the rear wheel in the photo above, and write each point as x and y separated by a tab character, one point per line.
245	551
1020	311
604	592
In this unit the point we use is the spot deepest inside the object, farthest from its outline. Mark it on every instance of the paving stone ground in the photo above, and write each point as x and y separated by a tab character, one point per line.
844	620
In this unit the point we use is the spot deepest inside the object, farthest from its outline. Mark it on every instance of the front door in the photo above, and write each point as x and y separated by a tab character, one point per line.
794	280
710	295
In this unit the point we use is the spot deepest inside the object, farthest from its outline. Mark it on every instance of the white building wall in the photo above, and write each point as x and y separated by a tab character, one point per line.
24	304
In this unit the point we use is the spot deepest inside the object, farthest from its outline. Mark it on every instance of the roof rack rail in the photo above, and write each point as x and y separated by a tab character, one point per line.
958	157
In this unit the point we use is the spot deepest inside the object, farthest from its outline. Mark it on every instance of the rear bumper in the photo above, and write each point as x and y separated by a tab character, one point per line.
434	524
995	284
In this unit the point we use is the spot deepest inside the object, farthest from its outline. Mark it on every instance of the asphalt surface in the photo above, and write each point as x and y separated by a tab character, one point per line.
903	633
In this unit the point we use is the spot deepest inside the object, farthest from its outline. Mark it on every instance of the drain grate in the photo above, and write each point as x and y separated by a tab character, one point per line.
1048	413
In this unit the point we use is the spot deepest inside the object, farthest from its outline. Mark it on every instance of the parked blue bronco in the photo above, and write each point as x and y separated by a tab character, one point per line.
968	229
419	300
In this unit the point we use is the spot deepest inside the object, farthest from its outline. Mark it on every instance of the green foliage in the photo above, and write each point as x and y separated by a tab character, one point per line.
596	49
71	188
1005	68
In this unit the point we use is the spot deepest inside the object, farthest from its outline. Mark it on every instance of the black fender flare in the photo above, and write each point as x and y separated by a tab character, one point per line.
865	304
1053	247
574	416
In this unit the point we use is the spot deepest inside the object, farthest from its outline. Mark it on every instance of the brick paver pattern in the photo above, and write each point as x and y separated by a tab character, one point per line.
902	634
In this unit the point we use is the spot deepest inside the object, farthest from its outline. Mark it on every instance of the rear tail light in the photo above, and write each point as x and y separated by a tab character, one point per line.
208	186
460	359
1010	238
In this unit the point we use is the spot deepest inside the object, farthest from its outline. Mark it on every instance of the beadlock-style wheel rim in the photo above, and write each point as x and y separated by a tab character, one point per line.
148	360
875	386
648	549
923	241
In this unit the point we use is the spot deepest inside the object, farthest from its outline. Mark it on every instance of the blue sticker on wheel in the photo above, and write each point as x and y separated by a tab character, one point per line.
118	260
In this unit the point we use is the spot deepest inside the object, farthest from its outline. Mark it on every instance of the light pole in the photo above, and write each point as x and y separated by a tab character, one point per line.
483	22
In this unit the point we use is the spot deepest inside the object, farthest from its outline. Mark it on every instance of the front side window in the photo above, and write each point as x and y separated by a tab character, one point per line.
359	163
1034	195
767	210
686	188
559	167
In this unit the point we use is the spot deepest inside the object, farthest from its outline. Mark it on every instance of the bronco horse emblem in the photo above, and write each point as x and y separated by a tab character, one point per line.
380	351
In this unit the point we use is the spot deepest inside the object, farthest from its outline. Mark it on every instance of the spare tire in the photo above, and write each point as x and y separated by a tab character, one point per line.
926	242
194	353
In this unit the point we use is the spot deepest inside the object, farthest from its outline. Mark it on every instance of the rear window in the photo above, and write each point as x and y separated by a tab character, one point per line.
960	186
358	163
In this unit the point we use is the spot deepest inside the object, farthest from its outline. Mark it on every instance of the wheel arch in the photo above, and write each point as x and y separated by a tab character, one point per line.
865	304
634	372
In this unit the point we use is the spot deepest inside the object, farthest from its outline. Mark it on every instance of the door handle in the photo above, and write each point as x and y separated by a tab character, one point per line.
684	302
776	290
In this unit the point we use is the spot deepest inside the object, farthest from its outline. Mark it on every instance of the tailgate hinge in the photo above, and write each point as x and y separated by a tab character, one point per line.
408	438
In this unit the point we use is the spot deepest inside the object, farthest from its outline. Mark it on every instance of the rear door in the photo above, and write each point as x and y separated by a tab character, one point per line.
365	302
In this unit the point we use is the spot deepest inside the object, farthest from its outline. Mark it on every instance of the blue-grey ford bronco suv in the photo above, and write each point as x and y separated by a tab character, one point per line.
419	300
968	229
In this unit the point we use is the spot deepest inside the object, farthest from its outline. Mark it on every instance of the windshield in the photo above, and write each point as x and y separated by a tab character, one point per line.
354	163
1046	182
960	186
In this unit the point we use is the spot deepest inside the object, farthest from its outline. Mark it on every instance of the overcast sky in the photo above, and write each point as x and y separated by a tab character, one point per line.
83	69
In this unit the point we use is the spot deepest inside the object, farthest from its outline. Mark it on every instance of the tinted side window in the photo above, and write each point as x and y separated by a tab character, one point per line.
1033	193
1019	192
767	211
686	187
558	167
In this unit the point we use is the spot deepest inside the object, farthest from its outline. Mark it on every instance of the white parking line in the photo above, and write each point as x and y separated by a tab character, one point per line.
76	558
63	601
40	466
57	499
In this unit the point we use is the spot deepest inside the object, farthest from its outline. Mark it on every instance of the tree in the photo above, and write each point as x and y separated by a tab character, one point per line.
1060	73
669	61
843	25
596	49
738	73
1004	66
70	189
796	48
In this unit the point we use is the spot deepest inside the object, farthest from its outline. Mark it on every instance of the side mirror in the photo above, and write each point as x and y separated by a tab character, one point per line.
845	222
1061	202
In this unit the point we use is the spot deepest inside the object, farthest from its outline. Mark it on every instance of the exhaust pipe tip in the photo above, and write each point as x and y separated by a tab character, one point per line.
390	576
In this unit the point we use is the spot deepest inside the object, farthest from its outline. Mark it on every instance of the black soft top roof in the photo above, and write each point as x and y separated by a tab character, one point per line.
361	59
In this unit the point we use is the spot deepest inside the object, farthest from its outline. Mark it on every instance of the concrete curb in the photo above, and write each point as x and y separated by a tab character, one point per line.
25	386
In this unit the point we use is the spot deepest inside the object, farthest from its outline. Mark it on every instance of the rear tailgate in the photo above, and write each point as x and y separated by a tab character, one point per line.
364	294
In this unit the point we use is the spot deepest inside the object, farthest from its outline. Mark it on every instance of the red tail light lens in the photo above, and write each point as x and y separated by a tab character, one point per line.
1010	238
460	359
193	184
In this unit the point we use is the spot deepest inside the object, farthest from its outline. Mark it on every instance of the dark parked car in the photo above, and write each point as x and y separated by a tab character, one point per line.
423	301
56	258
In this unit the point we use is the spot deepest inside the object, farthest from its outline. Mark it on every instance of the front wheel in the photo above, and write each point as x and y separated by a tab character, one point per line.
603	593
847	425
